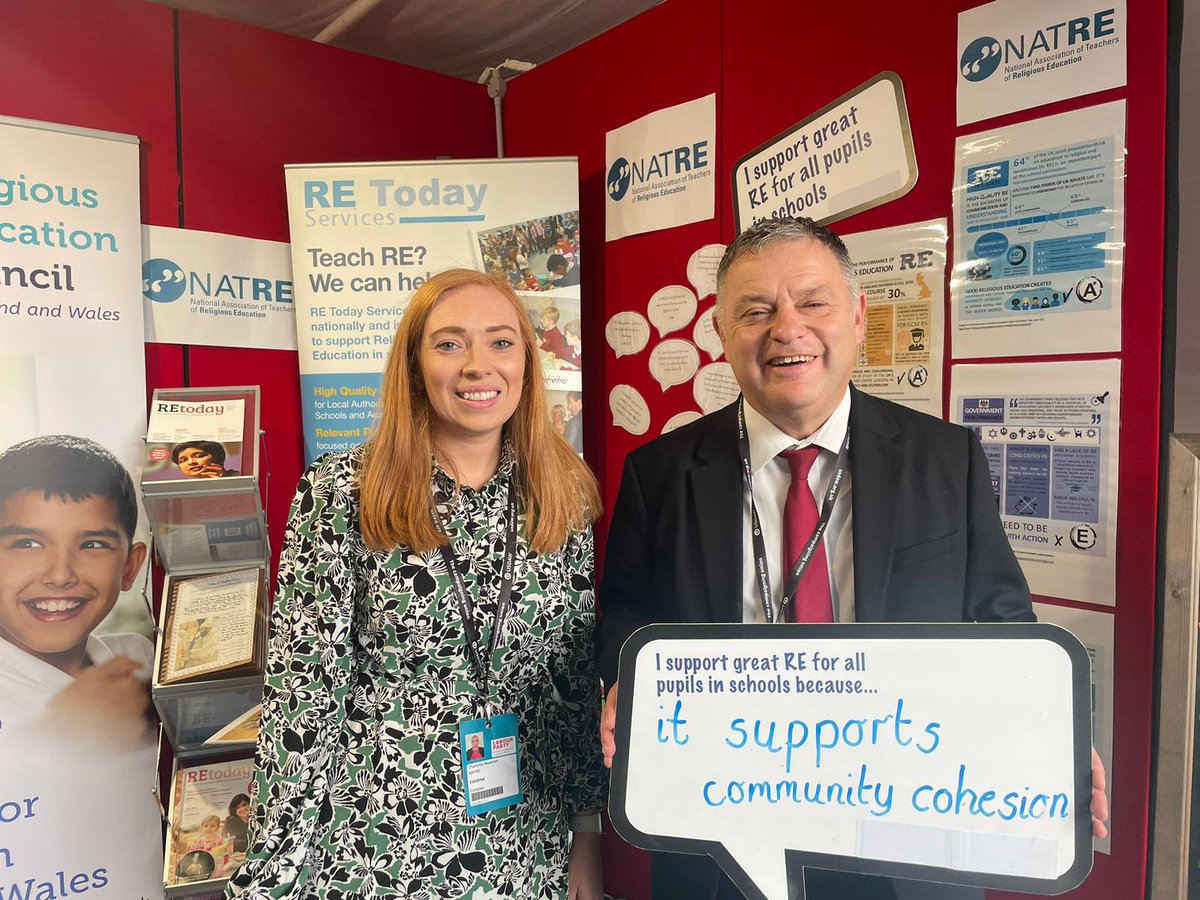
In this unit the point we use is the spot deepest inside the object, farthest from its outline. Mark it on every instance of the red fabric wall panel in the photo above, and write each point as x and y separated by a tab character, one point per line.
564	108
104	64
774	63
666	56
252	101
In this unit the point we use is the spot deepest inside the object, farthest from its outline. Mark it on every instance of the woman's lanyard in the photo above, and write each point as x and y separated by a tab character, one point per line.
762	576
466	607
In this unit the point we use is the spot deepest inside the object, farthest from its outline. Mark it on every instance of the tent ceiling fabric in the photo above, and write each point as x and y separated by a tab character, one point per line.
454	37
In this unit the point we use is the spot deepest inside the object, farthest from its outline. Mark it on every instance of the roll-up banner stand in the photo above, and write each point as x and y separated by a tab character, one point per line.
77	812
365	236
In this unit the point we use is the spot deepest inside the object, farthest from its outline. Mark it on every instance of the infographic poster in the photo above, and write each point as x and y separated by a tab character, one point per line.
1039	236
78	754
365	236
902	273
1051	433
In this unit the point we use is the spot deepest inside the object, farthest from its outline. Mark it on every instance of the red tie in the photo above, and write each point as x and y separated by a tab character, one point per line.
813	602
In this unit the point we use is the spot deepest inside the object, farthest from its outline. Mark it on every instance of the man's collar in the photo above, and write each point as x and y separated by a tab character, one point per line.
767	441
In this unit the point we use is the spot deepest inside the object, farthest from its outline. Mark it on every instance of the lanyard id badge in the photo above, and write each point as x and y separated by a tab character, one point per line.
491	762
489	746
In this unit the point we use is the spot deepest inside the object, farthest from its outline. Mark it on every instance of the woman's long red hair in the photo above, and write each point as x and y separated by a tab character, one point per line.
557	489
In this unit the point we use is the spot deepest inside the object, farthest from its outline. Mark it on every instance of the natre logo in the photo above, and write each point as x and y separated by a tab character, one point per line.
618	178
980	59
163	281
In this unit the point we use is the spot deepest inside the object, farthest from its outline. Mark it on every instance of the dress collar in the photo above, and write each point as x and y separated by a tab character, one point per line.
448	486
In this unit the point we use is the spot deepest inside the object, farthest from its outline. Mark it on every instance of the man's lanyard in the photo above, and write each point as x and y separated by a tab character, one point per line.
762	575
466	607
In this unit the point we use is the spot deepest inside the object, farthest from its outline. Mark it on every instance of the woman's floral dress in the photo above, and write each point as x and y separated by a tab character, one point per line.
359	785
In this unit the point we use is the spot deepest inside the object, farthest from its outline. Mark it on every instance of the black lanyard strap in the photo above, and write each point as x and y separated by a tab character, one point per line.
466	607
762	575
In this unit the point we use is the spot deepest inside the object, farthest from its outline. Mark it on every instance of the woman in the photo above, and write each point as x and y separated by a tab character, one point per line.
373	685
201	459
235	828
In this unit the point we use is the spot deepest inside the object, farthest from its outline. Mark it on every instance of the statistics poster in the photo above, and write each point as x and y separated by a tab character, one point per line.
901	271
365	236
79	756
1039	236
1051	432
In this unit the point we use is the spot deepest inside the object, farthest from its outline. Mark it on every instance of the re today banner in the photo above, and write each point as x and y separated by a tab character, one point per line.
365	236
660	169
79	759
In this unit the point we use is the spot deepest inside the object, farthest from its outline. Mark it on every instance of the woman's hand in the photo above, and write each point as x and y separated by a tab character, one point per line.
585	875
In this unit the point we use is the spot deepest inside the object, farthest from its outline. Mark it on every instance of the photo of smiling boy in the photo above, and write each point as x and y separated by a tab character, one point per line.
68	514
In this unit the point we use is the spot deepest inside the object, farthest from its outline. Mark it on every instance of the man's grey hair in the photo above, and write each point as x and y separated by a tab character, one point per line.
769	232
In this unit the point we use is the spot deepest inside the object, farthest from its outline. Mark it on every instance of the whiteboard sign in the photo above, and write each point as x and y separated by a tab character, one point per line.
948	753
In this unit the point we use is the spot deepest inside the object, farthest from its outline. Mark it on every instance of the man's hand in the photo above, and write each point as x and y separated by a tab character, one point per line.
585	874
608	727
105	705
1099	797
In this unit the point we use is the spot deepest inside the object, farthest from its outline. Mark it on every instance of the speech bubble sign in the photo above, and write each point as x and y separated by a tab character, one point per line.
627	333
862	748
715	386
680	419
671	308
702	268
629	409
674	362
705	335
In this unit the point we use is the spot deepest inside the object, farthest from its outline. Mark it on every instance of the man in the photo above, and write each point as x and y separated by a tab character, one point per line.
574	432
914	533
563	273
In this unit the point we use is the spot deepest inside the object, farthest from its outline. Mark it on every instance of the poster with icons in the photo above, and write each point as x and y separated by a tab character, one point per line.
902	272
1051	434
1039	236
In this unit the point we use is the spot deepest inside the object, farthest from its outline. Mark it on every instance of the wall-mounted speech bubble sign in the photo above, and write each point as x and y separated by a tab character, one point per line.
680	419
705	335
715	386
629	409
674	362
702	268
864	748
627	333
671	308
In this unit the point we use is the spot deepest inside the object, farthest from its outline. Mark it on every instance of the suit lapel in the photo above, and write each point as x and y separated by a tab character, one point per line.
715	505
876	460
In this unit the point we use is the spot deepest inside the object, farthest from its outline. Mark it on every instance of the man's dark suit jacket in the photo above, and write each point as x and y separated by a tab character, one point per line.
928	547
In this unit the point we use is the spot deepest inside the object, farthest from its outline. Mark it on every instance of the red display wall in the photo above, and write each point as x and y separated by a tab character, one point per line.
773	63
221	108
214	145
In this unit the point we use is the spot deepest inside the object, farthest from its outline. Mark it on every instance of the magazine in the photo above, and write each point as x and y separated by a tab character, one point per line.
198	439
208	817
